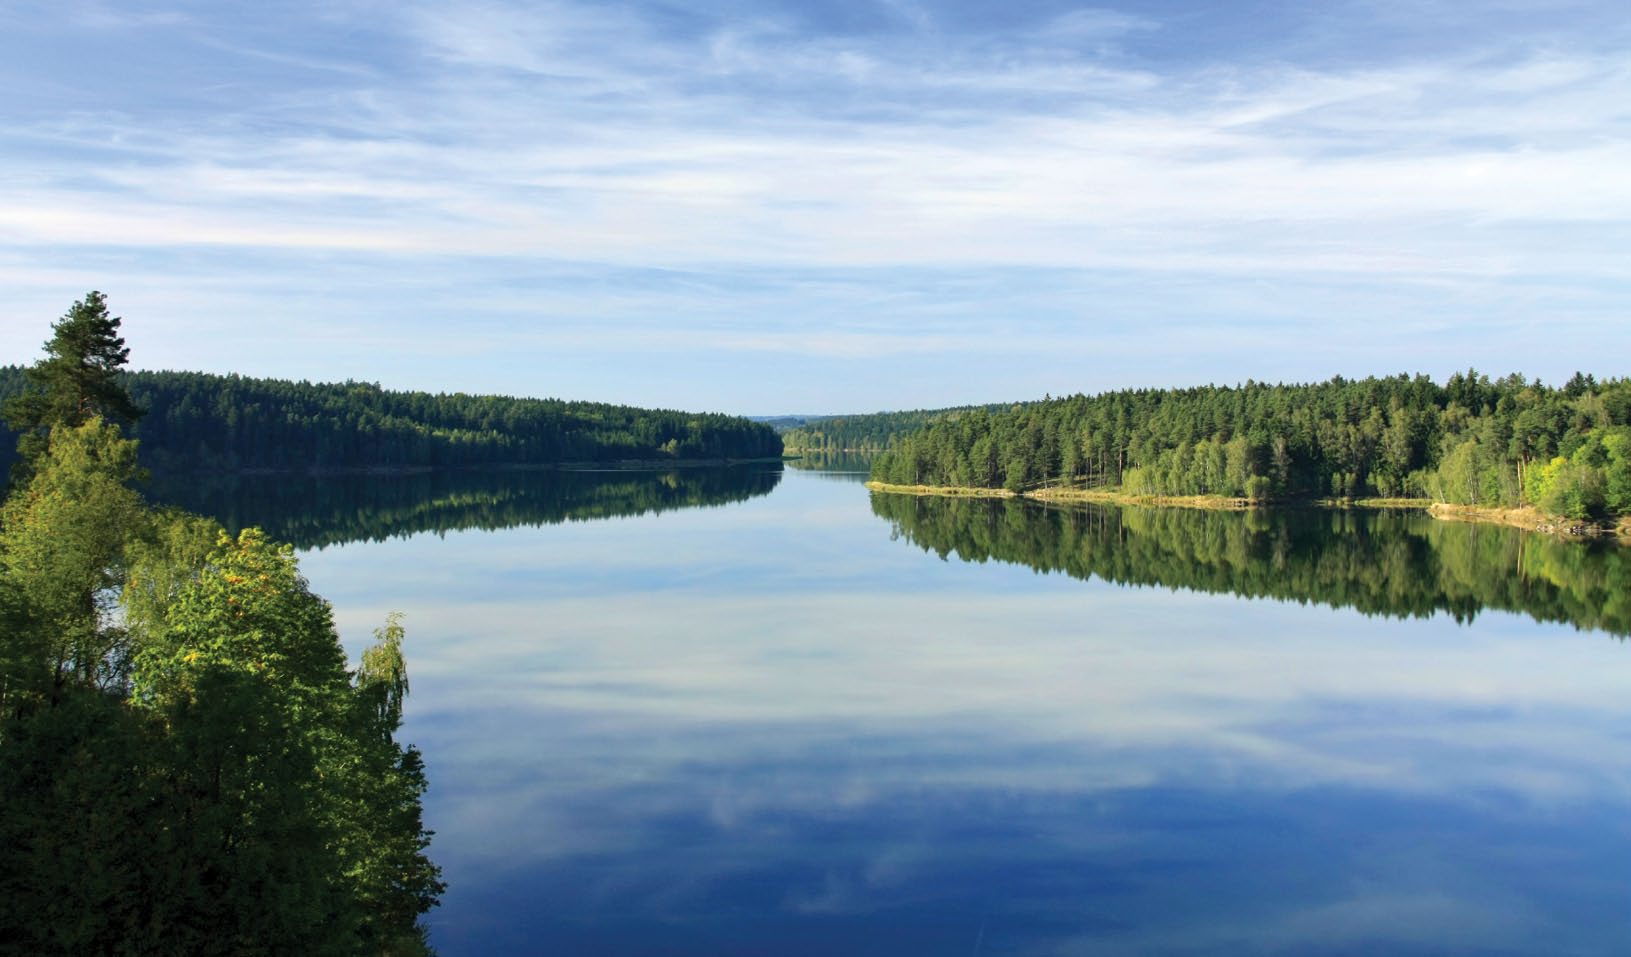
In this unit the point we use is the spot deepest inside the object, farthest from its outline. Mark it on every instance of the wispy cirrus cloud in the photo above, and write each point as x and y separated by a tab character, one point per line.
759	142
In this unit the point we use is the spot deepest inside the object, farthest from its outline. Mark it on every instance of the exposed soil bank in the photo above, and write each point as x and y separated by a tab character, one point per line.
1530	519
947	491
1101	496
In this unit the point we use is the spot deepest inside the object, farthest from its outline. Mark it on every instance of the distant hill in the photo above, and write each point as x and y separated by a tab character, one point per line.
871	432
781	423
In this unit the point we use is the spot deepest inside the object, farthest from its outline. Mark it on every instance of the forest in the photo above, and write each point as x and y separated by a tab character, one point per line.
1474	441
188	765
1395	563
195	421
873	432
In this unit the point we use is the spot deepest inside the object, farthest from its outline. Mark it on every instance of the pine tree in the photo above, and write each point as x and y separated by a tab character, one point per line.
78	379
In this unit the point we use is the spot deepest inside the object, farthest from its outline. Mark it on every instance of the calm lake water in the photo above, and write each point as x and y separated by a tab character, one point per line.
757	712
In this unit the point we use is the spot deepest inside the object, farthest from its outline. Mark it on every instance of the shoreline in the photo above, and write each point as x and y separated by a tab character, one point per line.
1527	517
804	451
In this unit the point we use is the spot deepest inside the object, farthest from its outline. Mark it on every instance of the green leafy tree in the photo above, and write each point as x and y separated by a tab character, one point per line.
201	774
62	541
244	640
1571	488
1617	478
385	848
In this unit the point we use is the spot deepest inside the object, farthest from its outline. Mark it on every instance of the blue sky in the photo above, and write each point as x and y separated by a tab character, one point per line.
843	206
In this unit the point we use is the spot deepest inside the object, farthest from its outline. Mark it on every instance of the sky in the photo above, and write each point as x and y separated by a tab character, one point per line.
794	206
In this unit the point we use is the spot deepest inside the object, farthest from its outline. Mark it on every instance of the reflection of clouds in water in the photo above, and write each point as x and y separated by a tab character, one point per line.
1425	922
1274	696
1420	917
867	730
602	696
1152	866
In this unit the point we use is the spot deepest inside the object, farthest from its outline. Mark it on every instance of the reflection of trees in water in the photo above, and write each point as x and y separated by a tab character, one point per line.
858	464
312	512
1403	564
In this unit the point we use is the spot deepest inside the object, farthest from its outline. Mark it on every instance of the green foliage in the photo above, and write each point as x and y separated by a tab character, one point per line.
201	774
76	381
1470	441
245	622
198	422
377	793
1017	475
62	541
248	791
246	609
1617	470
873	432
1571	488
161	562
1460	474
382	675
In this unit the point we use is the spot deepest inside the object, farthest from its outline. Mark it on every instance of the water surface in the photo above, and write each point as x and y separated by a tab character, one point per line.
812	721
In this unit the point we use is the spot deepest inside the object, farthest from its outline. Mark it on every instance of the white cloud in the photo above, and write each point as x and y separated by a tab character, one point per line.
751	149
1174	172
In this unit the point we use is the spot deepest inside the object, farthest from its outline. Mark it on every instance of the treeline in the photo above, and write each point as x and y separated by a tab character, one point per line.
872	432
200	422
316	511
1472	441
1384	562
187	763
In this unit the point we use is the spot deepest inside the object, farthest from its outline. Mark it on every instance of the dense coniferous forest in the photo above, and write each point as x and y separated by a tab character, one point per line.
1387	562
873	432
1507	442
195	421
187	763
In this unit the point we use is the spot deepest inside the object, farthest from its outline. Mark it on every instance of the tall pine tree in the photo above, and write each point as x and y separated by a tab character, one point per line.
78	378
